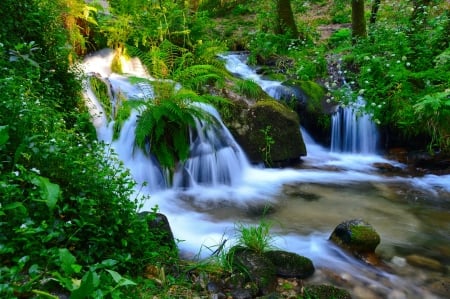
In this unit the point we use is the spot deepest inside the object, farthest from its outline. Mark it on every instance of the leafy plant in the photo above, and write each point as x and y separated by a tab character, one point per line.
163	126
268	142
250	89
257	238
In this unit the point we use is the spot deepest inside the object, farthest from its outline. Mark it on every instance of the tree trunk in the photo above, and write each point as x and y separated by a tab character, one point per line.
374	12
285	19
358	20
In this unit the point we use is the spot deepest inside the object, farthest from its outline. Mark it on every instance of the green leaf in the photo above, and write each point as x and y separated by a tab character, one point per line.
119	279
67	261
15	205
4	136
87	287
50	192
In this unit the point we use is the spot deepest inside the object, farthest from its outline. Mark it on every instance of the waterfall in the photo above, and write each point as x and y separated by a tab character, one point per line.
215	157
353	131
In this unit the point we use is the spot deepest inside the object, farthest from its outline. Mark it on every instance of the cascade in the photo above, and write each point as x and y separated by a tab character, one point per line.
215	189
352	129
215	157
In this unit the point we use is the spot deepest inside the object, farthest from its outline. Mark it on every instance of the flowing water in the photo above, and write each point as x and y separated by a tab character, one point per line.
411	214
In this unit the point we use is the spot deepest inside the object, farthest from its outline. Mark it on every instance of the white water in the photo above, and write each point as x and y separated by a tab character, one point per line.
353	131
348	186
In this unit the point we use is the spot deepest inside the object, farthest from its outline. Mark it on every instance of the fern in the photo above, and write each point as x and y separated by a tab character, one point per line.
163	127
197	76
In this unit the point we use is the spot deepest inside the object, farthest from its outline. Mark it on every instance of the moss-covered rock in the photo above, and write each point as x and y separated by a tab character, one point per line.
323	291
257	268
267	130
289	264
308	99
357	236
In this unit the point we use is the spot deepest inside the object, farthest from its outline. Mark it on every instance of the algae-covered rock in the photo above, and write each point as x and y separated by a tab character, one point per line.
268	131
289	264
323	291
357	236
258	268
308	99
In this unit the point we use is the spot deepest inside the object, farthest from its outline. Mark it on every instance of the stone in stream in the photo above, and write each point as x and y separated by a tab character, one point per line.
359	238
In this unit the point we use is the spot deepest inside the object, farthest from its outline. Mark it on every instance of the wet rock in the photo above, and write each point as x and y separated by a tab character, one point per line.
290	264
424	262
364	292
159	225
325	292
266	129
359	238
296	191
308	99
257	268
396	294
440	286
398	261
241	294
356	235
387	167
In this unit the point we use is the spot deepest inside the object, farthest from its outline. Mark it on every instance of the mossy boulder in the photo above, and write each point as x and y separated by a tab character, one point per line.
267	130
308	99
356	236
256	267
290	265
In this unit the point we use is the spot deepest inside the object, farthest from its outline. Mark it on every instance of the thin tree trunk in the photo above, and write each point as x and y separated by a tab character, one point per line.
374	12
358	20
285	19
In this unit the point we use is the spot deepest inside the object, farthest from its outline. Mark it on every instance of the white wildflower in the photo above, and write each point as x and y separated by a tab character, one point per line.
35	170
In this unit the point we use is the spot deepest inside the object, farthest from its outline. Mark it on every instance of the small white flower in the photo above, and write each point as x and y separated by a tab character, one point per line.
16	173
35	170
408	64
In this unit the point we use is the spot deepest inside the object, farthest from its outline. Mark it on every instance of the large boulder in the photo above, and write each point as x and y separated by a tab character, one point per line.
256	267
267	130
308	99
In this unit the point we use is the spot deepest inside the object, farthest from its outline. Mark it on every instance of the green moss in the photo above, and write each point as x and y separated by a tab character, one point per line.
278	107
364	235
315	94
325	292
100	90
289	264
122	114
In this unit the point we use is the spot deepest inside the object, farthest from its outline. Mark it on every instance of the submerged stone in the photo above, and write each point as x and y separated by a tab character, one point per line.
424	262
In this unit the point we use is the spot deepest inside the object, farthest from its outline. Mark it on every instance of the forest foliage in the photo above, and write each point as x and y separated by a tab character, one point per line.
68	210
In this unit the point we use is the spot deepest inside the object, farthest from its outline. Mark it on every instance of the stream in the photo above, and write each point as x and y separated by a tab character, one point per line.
304	205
